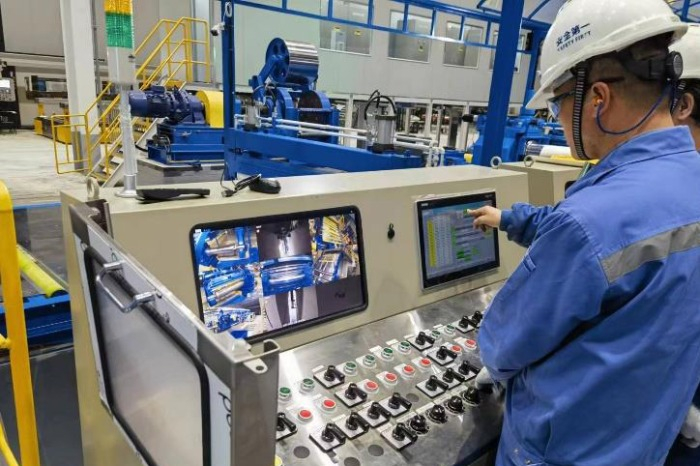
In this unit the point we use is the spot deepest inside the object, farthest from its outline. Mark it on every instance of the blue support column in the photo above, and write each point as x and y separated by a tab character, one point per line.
228	52
502	81
537	39
686	10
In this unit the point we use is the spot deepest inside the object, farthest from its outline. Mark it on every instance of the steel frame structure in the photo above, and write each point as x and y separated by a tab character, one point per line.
509	22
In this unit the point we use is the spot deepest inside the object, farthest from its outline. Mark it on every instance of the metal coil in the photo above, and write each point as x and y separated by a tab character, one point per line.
297	63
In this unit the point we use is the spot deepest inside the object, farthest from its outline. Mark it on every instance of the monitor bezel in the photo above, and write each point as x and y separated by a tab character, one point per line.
423	204
307	214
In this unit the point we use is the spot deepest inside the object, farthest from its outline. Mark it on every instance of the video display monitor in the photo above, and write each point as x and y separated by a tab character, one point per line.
450	247
264	276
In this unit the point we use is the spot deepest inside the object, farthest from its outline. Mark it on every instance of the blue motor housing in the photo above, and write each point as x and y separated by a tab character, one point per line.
175	105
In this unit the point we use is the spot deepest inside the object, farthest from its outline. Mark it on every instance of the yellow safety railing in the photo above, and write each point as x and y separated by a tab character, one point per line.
16	341
165	61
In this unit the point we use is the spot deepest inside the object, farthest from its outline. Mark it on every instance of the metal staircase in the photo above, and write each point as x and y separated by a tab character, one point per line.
166	57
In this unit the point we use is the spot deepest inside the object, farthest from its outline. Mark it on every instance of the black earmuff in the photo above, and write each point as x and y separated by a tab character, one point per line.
674	66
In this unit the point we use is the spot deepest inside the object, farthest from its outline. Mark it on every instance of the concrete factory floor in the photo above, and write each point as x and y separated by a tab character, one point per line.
27	168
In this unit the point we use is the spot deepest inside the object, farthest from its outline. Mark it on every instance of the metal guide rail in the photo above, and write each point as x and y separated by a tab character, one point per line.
395	392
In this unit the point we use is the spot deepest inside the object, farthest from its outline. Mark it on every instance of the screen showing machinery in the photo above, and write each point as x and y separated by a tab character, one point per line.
450	247
264	276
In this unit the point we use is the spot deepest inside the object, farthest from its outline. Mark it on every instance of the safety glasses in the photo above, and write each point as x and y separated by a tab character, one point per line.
554	104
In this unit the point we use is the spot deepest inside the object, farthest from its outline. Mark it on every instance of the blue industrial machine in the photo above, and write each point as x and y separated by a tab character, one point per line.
519	132
192	128
292	129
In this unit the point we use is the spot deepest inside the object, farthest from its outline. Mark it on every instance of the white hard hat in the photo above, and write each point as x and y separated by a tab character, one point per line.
689	48
584	29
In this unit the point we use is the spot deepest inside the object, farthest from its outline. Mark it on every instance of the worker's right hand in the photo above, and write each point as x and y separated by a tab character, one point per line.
486	217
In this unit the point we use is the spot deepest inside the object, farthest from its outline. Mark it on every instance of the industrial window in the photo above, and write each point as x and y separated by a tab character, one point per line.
519	58
343	37
463	54
407	47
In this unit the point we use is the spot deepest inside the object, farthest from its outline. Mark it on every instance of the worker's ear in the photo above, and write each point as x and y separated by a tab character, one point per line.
684	109
600	97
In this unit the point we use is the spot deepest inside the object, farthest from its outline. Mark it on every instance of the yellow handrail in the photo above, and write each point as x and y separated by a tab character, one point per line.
17	333
5	449
104	131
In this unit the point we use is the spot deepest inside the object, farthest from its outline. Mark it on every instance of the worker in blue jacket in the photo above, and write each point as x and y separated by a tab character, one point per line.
522	221
597	333
686	450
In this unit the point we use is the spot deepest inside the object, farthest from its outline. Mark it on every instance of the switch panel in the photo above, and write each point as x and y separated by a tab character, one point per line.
400	391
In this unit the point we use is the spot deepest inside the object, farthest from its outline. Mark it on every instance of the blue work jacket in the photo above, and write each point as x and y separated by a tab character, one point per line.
597	332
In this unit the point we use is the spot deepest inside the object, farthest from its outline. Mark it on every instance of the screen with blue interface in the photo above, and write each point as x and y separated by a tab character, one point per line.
451	248
258	277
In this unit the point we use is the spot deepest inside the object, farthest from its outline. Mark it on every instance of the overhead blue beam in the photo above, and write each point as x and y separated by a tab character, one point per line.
477	15
538	8
368	25
502	80
686	10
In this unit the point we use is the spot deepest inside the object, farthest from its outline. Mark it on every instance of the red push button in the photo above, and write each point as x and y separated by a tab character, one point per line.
328	405
305	415
390	377
470	344
456	348
425	362
408	370
371	386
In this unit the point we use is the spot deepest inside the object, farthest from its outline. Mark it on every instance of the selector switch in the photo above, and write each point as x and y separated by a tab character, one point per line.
465	324
352	395
331	377
328	438
354	426
354	392
285	427
468	370
354	422
442	355
375	415
400	436
451	376
376	410
396	401
455	405
438	414
332	374
472	396
402	432
396	404
477	317
433	386
422	341
433	383
419	424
